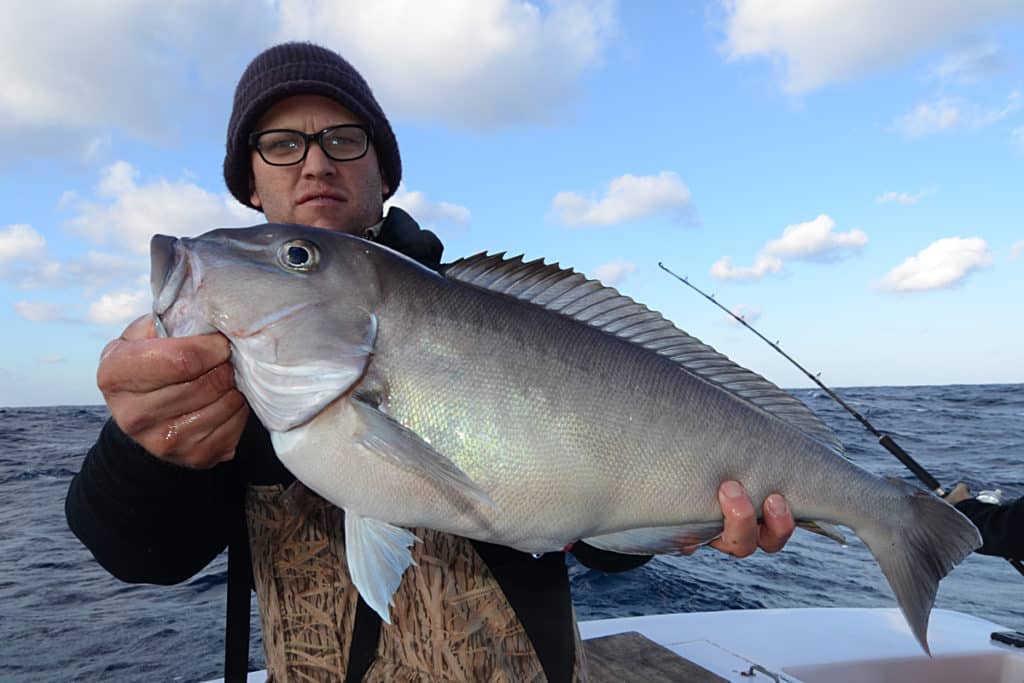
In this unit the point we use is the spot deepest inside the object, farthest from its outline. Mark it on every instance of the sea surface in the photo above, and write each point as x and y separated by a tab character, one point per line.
62	618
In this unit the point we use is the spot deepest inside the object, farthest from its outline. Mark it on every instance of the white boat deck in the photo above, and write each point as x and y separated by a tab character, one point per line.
834	645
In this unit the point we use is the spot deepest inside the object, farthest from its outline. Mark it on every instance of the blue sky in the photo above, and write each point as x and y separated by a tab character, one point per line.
847	174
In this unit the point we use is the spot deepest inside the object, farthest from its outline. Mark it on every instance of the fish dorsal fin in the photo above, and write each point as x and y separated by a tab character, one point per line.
571	294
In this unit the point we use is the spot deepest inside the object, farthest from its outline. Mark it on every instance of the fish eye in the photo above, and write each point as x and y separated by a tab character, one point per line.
298	255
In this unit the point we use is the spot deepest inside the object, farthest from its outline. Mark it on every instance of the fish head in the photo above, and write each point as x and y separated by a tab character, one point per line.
296	303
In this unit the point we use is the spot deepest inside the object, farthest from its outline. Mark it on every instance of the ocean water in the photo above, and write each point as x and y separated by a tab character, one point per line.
62	618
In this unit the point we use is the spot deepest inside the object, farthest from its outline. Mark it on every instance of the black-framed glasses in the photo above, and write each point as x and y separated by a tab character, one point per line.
283	147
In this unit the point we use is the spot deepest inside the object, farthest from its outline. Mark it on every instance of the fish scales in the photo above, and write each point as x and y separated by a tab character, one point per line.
526	389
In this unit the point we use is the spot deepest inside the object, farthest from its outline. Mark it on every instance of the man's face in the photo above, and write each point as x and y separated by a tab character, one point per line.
346	196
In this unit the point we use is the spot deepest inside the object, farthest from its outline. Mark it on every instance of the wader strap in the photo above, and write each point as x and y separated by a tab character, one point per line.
543	605
236	636
365	635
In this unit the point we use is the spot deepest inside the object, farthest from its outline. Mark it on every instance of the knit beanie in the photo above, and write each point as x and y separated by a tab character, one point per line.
302	69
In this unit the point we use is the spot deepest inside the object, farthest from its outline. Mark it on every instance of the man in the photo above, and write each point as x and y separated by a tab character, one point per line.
182	456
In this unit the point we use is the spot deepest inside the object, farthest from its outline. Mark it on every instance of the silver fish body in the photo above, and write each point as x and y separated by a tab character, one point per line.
517	403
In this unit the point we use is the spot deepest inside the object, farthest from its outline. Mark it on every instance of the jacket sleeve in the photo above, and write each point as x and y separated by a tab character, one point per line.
145	520
1001	526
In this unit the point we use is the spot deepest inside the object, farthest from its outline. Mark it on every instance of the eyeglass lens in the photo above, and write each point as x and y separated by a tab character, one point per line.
341	143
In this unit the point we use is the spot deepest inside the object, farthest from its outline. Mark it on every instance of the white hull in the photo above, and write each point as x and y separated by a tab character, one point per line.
823	645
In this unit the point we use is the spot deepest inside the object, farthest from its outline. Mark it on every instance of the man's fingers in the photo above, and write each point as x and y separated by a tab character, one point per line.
187	439
136	413
778	524
221	443
740	535
145	365
142	327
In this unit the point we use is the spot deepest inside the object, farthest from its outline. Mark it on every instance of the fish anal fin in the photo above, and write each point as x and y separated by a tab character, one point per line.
658	540
826	529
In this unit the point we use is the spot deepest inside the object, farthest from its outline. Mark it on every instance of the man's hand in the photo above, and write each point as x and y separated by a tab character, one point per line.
959	493
742	535
175	396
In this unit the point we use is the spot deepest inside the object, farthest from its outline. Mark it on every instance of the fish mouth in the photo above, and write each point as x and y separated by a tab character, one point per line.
167	271
170	268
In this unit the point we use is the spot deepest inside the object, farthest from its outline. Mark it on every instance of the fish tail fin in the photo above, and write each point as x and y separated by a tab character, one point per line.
915	554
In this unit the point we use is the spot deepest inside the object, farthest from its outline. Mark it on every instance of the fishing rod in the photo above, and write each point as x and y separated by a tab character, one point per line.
884	439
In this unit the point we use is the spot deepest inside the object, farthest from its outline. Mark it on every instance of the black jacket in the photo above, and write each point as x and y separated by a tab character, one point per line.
1001	526
147	521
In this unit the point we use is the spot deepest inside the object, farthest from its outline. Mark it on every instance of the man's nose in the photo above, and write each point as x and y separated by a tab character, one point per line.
317	163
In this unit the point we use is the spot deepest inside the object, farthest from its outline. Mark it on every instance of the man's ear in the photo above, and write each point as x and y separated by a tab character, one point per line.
254	197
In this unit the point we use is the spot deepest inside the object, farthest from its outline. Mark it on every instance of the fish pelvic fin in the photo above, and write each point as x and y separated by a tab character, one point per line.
378	555
916	553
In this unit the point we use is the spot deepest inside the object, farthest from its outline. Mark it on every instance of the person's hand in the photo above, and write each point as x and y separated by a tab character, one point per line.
176	397
960	492
742	535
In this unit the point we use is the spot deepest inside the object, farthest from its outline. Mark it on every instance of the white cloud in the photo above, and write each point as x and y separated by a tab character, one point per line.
628	197
23	255
1017	250
132	213
52	360
480	64
39	273
986	117
750	314
118	179
1017	137
119	307
722	269
96	269
942	263
973	64
37	312
613	272
825	41
61	67
810	241
20	242
427	213
904	198
928	118
815	240
173	66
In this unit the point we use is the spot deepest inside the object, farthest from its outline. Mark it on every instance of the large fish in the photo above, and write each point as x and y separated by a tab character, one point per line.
517	403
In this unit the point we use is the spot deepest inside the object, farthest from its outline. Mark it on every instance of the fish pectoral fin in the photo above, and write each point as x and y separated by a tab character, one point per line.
378	555
386	438
823	529
658	540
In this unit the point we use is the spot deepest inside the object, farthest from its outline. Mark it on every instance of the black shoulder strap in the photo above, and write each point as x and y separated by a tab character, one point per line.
365	634
236	637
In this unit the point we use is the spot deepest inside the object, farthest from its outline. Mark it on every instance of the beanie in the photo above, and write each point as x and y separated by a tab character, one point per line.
302	69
